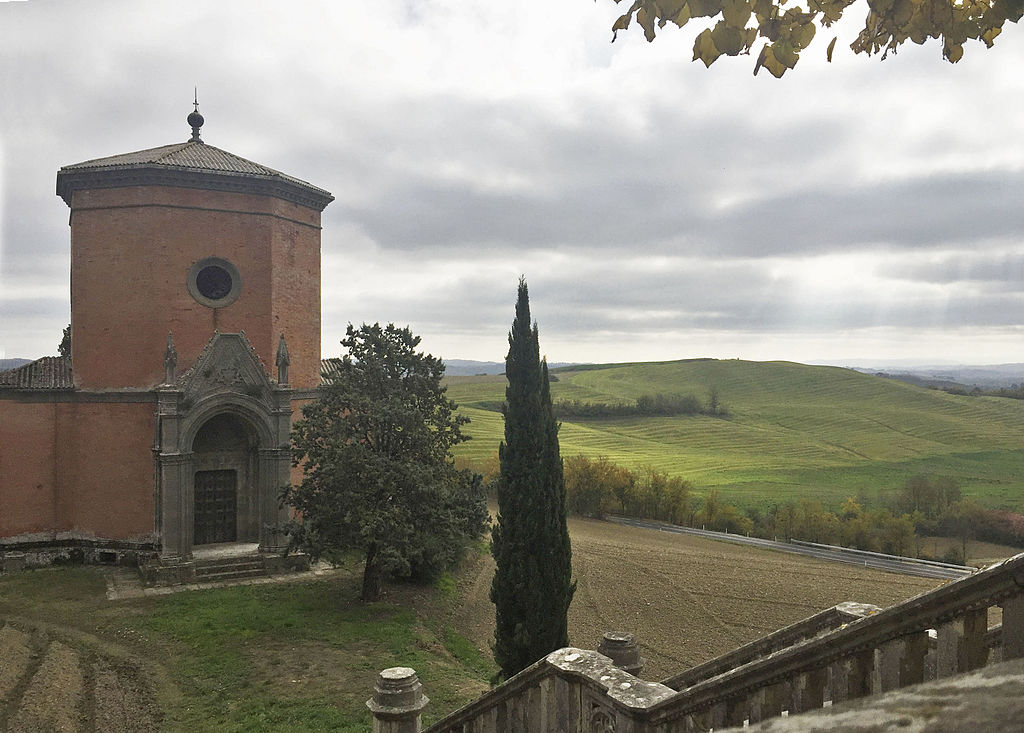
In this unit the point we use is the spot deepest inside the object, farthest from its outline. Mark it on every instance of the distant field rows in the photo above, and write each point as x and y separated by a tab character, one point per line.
791	430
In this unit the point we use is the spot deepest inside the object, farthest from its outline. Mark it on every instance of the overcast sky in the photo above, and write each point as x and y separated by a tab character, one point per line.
659	210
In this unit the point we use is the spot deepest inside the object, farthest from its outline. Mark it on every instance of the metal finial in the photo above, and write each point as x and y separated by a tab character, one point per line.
195	119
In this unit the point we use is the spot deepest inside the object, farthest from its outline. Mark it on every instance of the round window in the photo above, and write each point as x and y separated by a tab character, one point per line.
214	282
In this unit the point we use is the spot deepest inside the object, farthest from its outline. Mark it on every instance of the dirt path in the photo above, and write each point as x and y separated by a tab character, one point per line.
64	684
686	599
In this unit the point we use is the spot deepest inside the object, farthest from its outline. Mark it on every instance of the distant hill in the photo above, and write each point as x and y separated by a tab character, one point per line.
6	364
792	430
993	376
470	368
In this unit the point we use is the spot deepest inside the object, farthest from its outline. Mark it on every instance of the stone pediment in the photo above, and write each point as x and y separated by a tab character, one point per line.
227	363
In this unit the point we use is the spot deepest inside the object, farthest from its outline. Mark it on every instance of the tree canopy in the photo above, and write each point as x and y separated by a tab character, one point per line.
532	585
787	31
376	453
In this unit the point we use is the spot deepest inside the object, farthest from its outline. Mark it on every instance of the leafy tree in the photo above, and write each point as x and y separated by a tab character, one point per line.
788	31
64	348
532	585
961	520
592	485
375	448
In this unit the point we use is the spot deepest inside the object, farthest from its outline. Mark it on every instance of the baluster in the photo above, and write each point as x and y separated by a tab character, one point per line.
809	691
915	649
737	711
755	706
765	703
718	715
888	659
1013	628
961	643
851	676
776	698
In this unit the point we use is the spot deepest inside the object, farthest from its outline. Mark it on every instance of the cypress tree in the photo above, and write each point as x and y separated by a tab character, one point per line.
532	585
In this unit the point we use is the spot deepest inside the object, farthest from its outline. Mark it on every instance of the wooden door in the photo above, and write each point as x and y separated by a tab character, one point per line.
215	509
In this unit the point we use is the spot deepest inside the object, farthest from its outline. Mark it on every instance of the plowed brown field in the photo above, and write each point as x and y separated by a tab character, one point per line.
687	599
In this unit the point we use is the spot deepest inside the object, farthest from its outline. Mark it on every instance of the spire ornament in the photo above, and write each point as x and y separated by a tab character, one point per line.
195	119
170	360
283	360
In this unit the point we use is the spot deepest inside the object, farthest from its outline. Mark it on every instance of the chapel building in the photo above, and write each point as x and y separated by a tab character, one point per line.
195	340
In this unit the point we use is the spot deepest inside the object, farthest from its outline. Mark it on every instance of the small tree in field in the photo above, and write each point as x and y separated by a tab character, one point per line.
378	473
532	585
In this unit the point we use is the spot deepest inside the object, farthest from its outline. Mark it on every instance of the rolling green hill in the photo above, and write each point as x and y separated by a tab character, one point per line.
792	430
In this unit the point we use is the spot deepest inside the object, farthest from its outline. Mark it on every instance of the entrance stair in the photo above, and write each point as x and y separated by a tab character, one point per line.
230	568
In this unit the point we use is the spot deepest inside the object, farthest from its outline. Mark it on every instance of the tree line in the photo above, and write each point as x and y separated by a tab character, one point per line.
647	405
893	523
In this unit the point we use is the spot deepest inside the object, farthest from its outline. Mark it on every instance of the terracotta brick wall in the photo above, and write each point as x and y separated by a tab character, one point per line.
71	467
131	250
107	454
28	468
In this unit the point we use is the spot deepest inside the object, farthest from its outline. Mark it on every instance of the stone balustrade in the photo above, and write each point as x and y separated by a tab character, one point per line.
844	653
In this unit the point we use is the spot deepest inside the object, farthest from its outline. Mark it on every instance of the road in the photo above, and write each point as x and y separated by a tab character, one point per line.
904	566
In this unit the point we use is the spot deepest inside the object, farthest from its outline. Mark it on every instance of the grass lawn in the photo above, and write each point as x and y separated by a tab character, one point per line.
290	656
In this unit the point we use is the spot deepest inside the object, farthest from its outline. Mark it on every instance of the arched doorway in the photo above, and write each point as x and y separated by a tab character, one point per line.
225	460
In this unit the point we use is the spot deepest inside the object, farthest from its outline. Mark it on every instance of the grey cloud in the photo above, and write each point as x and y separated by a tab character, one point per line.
1002	270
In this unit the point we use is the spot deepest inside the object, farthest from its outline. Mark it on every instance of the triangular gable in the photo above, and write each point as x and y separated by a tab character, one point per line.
227	363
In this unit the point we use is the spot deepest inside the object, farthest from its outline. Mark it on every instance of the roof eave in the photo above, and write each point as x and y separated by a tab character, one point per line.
73	179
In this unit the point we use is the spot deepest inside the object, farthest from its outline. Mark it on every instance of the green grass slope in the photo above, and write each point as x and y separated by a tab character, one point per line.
792	430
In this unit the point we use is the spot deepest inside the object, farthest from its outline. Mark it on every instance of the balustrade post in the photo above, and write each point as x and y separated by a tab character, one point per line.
765	703
961	643
718	715
809	691
755	706
622	649
888	659
397	701
736	713
851	676
915	649
1013	628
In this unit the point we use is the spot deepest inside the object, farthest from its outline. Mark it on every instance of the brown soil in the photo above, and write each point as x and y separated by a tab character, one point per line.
49	684
686	599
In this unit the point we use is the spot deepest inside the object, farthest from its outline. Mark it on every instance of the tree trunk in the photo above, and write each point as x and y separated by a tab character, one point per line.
373	576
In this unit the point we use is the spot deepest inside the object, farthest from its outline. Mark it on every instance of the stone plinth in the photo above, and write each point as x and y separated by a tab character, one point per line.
397	701
622	649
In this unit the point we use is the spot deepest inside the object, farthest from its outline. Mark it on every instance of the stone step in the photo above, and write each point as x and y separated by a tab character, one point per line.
229	565
231	575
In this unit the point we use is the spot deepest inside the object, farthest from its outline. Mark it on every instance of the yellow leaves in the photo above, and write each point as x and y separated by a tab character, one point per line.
705	8
952	52
704	48
736	13
727	39
902	12
789	28
646	21
801	35
770	62
989	36
682	17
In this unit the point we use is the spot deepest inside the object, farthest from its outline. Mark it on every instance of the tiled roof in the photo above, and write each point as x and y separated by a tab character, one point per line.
50	372
328	369
191	164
